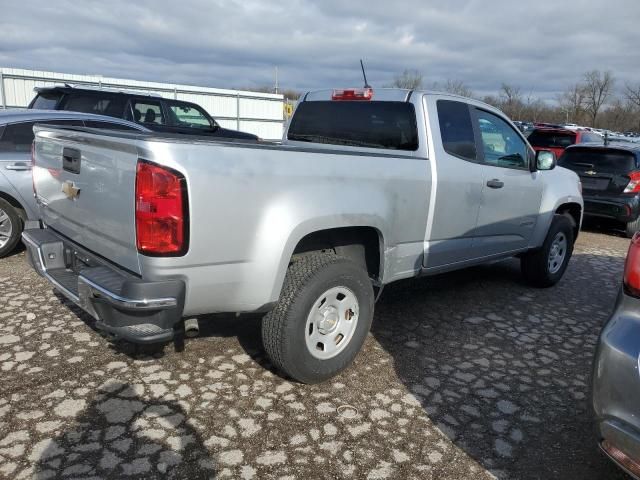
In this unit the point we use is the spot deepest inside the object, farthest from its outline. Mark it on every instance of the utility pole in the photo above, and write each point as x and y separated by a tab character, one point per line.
276	88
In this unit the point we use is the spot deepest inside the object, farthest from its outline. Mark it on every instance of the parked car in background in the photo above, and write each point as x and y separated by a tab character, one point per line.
615	380
556	139
152	111
610	176
17	205
369	187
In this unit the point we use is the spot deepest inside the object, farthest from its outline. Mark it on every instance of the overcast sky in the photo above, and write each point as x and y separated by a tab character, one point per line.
541	45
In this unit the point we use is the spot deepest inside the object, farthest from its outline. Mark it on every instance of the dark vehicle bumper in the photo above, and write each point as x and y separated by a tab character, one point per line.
621	208
616	385
122	304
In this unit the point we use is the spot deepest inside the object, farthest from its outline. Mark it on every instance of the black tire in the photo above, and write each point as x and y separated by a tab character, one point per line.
15	222
284	327
535	264
632	227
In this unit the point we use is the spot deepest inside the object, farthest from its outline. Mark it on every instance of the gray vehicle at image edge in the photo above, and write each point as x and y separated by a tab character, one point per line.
17	204
368	187
616	378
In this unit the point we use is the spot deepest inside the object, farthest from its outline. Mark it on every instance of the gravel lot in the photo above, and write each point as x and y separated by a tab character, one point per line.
466	375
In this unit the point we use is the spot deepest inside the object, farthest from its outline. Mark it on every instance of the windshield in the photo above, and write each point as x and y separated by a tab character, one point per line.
599	160
389	125
189	116
551	139
46	100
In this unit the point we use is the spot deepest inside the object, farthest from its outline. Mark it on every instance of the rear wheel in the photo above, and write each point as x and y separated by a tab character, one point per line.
544	267
10	228
632	227
322	317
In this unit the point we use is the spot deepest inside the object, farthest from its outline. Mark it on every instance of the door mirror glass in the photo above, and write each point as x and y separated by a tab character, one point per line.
545	160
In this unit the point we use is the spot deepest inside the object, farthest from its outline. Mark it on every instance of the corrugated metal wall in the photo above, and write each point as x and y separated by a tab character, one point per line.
259	113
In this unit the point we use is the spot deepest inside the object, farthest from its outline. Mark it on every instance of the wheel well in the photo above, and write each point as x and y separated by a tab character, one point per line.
362	244
16	204
573	211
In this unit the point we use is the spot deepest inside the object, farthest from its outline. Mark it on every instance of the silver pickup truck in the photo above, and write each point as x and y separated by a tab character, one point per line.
145	231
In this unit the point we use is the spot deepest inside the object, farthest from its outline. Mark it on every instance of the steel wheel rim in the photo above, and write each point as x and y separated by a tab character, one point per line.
331	322
557	252
6	228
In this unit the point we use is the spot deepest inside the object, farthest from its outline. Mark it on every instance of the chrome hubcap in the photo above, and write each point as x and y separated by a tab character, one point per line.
331	322
6	228
557	252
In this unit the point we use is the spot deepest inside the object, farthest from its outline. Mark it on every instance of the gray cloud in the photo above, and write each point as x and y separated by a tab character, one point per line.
541	46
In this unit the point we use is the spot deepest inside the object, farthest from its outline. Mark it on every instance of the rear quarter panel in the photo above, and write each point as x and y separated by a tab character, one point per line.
250	206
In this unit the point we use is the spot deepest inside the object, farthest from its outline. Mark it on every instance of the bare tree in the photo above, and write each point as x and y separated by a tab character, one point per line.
411	79
511	100
597	90
632	93
458	87
572	102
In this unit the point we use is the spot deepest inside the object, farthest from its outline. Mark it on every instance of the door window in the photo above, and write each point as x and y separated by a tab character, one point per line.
501	145
111	105
456	129
188	116
18	137
145	111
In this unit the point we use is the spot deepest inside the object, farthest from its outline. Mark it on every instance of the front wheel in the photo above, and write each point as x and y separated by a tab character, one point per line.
10	228
544	267
321	319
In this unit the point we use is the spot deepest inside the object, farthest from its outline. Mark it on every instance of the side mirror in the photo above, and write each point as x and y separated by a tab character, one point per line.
545	160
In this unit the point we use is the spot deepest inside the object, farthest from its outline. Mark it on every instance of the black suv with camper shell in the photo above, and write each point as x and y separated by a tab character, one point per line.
154	112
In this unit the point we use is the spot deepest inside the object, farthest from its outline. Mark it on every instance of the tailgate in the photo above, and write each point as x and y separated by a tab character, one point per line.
602	170
85	184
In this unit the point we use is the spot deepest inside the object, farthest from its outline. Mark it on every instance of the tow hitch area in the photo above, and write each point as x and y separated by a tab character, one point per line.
123	305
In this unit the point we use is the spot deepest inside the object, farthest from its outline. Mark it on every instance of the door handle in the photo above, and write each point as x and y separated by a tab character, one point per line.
495	183
19	167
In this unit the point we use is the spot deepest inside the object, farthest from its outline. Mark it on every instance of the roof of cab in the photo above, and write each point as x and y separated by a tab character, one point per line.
66	88
392	94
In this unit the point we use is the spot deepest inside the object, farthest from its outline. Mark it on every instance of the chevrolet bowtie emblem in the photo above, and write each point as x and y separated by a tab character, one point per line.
590	172
70	190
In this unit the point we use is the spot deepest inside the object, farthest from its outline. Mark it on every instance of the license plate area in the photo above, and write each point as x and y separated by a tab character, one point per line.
591	183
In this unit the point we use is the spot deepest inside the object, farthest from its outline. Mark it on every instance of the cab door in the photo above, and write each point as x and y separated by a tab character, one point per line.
457	183
511	193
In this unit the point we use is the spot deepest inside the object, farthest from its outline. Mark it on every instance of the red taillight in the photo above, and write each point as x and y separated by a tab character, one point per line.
161	210
353	94
634	183
632	267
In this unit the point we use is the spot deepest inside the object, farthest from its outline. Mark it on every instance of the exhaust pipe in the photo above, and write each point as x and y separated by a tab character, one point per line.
191	328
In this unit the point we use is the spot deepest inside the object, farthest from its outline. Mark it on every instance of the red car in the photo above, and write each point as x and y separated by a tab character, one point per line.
556	139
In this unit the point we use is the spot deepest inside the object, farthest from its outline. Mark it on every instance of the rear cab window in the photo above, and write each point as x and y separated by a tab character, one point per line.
387	125
46	100
600	160
551	139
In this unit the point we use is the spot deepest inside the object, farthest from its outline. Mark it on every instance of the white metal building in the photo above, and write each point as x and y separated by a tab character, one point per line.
259	113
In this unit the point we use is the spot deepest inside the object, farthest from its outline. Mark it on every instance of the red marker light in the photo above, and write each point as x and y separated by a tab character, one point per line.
351	94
